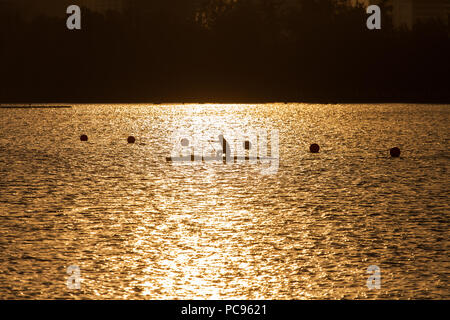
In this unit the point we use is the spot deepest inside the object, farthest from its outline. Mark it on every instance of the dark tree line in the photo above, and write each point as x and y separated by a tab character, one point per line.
219	50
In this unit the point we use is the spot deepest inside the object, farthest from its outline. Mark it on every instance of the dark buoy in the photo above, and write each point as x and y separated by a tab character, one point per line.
247	145
185	142
84	138
395	152
314	148
131	139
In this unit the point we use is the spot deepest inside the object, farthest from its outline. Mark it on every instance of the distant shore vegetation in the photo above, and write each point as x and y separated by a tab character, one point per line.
222	51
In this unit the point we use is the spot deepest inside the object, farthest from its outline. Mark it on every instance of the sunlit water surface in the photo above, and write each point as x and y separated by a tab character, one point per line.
139	227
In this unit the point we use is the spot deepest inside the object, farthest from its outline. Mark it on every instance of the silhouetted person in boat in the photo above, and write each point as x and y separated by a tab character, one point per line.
226	151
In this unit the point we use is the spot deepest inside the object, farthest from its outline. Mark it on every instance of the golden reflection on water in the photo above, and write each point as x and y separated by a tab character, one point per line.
139	227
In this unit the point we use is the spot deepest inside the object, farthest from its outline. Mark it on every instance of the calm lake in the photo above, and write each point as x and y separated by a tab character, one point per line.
140	227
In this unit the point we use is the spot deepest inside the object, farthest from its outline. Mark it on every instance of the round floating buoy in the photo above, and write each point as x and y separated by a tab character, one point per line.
247	145
185	142
84	138
131	139
395	152
314	148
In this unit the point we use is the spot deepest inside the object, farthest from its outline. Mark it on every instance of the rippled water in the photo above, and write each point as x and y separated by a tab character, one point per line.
139	227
